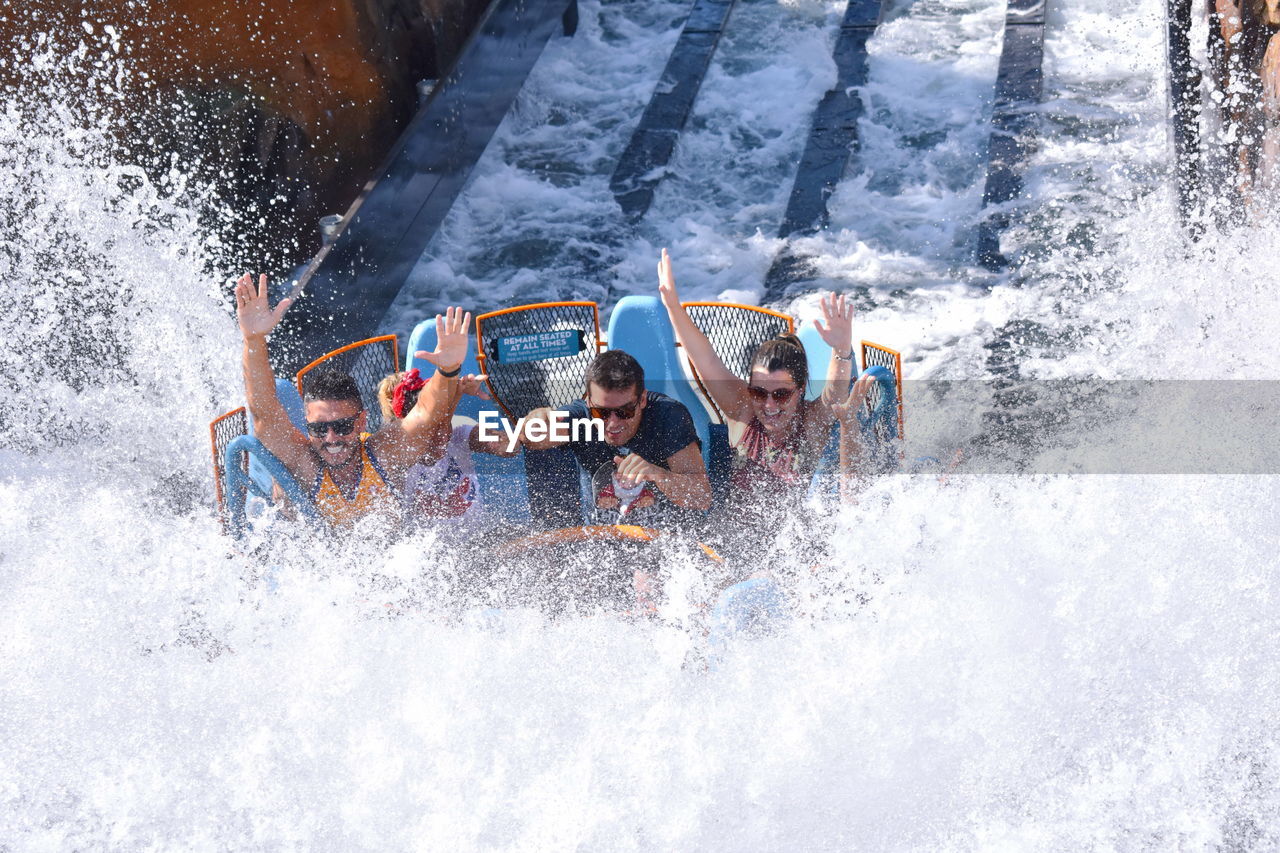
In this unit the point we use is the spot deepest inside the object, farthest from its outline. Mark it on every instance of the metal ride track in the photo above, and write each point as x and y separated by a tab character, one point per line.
1014	123
346	289
641	166
832	141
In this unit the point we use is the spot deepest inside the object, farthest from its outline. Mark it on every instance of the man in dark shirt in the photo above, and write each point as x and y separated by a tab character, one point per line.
649	438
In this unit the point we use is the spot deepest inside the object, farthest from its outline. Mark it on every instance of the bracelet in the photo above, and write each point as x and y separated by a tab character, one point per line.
449	374
840	357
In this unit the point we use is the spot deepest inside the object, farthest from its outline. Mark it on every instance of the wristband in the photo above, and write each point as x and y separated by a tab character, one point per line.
840	357
449	374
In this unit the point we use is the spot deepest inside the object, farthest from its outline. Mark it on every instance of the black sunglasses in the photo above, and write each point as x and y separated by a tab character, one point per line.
342	426
624	413
780	395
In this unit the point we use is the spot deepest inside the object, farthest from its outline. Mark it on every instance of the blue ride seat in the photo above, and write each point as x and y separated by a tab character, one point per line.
818	353
880	438
639	326
241	485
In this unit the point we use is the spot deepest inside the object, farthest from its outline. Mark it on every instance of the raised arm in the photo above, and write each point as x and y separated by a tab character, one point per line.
500	446
836	329
727	391
424	432
271	423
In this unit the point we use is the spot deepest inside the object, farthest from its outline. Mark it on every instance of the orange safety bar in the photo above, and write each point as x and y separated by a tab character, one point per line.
481	358
791	329
516	308
791	323
897	379
395	355
213	446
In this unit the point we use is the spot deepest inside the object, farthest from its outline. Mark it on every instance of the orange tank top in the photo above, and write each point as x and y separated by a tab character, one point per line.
372	493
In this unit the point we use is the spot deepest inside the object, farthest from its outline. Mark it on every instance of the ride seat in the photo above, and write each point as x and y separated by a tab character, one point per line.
818	353
639	326
287	394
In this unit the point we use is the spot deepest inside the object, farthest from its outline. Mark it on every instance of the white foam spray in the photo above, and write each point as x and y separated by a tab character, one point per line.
998	663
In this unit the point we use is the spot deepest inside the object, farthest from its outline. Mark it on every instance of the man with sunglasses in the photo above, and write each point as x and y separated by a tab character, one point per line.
351	472
649	437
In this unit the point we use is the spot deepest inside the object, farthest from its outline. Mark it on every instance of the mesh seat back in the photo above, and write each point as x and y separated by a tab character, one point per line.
537	355
222	430
368	362
735	332
874	355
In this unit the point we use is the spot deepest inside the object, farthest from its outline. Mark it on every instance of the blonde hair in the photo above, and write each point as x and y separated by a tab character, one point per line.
386	389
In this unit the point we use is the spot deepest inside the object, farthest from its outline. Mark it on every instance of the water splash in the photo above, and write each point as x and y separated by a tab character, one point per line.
1051	662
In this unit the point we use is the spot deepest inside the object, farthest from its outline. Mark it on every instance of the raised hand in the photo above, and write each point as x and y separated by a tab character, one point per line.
451	340
836	325
847	411
252	310
667	283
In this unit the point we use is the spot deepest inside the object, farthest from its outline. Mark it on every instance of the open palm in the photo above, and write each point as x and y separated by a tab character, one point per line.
836	325
847	410
451	340
253	311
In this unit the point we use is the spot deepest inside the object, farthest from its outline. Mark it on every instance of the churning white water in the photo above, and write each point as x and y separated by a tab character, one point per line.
1000	662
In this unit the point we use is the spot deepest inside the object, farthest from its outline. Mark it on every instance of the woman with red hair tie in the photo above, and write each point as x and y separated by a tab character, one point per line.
445	488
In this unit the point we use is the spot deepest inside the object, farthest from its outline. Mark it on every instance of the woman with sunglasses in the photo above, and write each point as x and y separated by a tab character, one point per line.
777	436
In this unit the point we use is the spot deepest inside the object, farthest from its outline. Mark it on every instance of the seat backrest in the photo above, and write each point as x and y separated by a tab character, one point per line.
639	326
239	483
287	394
735	332
537	355
368	362
874	355
222	430
818	354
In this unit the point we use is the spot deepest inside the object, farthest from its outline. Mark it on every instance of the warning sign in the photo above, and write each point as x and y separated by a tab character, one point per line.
540	345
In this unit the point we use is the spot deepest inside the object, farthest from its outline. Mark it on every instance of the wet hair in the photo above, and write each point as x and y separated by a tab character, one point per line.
783	353
1252	11
386	390
615	370
331	385
387	396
